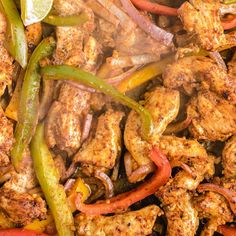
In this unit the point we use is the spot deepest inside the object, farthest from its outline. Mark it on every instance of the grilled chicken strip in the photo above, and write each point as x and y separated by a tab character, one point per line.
212	206
105	147
213	118
200	73
6	61
163	104
15	201
6	138
202	19
75	47
181	215
138	223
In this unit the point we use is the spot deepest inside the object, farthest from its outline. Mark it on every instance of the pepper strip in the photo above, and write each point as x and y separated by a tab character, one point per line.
145	74
48	178
17	41
29	101
155	7
124	200
19	232
227	230
66	20
65	72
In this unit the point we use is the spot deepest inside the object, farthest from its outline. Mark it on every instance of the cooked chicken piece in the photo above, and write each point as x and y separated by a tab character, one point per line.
229	158
163	104
213	118
34	34
138	223
202	18
200	72
6	61
70	39
75	47
6	138
192	157
64	122
197	164
181	215
104	148
214	206
21	207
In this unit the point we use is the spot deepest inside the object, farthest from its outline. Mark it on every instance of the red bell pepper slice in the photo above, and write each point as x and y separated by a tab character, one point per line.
124	200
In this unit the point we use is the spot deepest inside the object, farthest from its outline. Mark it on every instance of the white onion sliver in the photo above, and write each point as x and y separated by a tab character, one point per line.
86	127
81	86
119	78
128	61
218	59
124	19
146	25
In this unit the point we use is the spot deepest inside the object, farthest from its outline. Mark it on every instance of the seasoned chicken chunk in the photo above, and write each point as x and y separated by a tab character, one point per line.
214	206
191	156
213	118
200	72
6	138
21	208
138	223
64	122
202	18
15	201
75	46
6	61
229	158
104	148
163	104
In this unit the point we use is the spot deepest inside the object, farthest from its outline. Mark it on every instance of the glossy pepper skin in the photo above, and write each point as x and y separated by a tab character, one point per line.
66	20
124	200
65	72
29	101
48	178
15	30
19	232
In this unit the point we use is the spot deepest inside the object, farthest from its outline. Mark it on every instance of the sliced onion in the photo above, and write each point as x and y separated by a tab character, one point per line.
81	86
102	12
106	182
68	185
70	171
185	167
146	25
229	195
117	79
138	174
218	59
177	127
141	172
125	22
128	61
86	127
